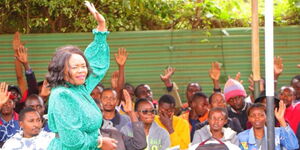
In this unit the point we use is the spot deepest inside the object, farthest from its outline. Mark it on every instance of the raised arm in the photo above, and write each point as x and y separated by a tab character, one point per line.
98	17
172	88
128	107
166	78
45	90
278	69
18	66
214	74
97	53
114	80
138	141
121	58
22	56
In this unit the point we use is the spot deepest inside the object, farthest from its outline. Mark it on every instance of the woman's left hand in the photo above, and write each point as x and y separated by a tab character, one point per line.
99	18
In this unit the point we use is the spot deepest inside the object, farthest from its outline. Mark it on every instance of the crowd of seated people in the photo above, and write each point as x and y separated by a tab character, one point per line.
136	120
132	119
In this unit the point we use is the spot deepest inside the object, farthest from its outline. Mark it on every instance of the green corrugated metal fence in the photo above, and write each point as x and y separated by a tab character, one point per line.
150	52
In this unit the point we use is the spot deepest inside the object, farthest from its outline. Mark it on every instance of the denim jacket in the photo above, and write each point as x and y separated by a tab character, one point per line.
284	137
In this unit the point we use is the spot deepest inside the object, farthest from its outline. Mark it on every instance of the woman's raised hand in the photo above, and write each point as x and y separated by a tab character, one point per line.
99	18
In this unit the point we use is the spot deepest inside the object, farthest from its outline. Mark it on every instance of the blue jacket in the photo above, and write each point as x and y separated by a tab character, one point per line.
284	137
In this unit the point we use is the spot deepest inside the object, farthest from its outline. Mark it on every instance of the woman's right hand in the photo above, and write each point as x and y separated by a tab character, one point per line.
109	143
98	17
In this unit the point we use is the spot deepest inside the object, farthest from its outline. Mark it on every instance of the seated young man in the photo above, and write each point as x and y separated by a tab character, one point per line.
255	138
177	128
31	136
109	101
217	118
136	140
36	102
157	137
217	99
198	113
235	95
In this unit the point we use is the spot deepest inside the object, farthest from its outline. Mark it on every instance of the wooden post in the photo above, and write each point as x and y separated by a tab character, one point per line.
255	48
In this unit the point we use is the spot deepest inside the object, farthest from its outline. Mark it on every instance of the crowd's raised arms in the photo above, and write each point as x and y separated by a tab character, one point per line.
72	109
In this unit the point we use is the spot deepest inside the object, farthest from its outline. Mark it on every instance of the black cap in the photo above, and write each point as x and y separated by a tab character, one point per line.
263	95
14	87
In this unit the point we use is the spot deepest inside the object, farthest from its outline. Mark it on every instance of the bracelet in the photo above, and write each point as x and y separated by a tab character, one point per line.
101	141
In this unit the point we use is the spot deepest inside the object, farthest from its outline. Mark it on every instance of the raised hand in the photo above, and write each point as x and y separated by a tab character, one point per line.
127	105
22	55
215	71
251	83
237	77
16	41
279	114
278	66
45	91
168	73
121	57
99	18
114	79
4	94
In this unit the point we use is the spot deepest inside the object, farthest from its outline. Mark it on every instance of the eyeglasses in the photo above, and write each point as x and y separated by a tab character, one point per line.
145	112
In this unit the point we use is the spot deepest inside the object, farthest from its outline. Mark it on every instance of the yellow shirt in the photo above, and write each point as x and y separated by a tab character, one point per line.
181	134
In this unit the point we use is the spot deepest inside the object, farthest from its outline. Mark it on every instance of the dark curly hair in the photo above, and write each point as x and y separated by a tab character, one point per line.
57	65
256	105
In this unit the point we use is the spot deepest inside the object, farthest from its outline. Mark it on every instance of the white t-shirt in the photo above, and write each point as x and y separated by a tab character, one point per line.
39	142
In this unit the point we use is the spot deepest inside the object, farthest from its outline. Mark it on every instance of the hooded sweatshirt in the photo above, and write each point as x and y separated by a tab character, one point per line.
204	134
158	138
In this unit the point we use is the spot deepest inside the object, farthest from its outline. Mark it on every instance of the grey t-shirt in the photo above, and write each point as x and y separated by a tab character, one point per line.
261	143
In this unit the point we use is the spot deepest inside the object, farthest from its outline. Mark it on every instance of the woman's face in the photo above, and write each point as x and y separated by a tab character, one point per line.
146	112
76	71
257	117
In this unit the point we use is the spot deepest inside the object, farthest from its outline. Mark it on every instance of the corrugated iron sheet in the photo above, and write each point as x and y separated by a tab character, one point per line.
150	52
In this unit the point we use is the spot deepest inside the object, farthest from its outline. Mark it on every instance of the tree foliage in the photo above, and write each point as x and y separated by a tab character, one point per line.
39	16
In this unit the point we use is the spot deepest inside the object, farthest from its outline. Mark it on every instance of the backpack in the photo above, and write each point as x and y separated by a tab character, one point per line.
212	146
